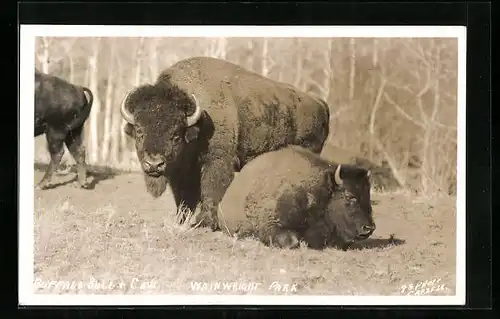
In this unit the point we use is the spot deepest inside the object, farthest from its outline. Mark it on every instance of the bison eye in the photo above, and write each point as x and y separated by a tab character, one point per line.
350	198
176	138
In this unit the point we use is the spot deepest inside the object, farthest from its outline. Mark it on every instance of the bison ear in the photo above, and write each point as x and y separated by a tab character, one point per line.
355	172
363	172
191	133
330	178
129	130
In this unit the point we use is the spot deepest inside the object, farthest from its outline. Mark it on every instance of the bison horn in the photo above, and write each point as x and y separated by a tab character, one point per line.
337	178
127	116
368	174
193	118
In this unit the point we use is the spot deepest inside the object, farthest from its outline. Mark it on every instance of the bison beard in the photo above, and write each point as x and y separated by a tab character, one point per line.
155	185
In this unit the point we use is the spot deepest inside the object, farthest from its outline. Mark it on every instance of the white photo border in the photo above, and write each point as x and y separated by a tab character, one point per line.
28	33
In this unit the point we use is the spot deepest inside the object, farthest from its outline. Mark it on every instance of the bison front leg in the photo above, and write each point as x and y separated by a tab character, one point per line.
74	142
281	238
55	145
316	236
216	175
187	195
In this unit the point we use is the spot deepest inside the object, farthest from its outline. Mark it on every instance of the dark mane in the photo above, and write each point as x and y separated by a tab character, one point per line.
160	93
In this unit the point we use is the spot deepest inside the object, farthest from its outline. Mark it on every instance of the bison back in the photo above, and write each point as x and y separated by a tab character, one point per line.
57	101
262	114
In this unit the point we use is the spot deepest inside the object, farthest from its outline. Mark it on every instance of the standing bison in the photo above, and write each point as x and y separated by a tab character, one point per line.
205	118
61	109
292	194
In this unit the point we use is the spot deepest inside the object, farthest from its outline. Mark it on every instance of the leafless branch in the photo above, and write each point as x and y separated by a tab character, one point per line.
401	111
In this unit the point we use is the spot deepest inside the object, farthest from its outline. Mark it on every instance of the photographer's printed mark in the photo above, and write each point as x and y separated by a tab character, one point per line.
422	288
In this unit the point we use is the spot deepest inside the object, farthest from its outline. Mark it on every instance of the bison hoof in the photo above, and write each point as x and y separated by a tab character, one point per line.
203	220
42	186
85	185
209	224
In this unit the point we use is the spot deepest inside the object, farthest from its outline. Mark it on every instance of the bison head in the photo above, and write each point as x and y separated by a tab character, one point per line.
162	121
349	211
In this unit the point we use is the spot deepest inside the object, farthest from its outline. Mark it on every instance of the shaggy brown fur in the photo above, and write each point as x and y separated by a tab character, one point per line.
290	194
244	115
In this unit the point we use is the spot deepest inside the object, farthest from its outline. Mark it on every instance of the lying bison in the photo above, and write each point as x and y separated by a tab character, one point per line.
61	109
205	118
292	194
381	178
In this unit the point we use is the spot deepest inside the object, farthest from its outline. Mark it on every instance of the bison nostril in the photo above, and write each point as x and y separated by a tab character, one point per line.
154	164
160	166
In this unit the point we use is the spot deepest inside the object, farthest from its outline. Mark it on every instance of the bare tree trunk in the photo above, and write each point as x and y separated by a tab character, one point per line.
217	48
222	48
137	81
352	69
116	136
250	59
281	69
68	48
116	117
327	80
375	52
71	67
139	56
108	104
265	47
374	140
45	56
299	64
92	146
375	107
153	59
428	166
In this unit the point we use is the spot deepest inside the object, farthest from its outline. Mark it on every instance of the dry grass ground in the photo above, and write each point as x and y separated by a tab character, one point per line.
117	239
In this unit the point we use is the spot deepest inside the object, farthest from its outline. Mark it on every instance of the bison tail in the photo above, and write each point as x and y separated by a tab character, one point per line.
89	97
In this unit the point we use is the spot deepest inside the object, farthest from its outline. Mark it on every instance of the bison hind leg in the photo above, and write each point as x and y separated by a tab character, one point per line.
74	142
55	145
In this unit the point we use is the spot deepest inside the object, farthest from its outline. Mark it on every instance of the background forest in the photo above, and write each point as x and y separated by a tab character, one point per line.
391	99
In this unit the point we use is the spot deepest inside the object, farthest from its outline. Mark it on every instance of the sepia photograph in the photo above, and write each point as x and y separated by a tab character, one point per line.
242	165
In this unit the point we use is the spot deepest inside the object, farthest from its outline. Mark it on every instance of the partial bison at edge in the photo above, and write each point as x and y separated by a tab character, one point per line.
292	194
61	109
205	118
